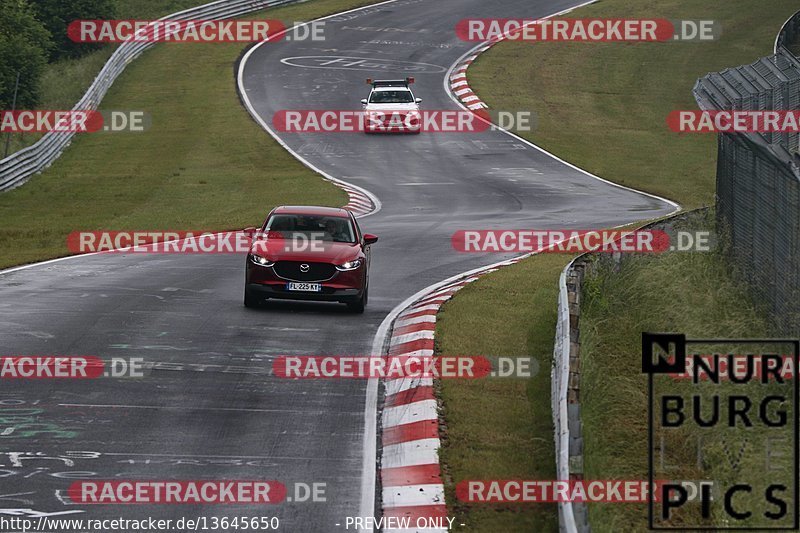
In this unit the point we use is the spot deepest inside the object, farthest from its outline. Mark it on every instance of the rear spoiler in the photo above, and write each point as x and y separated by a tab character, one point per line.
391	83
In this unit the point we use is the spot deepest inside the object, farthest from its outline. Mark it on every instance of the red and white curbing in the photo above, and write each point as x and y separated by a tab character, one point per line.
358	202
410	473
459	84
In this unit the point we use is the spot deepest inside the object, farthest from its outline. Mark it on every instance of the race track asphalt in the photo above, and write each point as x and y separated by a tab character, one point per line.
207	407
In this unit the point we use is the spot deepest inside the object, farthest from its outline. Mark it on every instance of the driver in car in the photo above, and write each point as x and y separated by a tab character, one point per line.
335	231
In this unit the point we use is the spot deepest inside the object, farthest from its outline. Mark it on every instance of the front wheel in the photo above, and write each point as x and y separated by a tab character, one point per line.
359	305
250	301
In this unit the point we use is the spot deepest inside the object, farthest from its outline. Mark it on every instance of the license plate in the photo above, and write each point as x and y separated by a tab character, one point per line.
305	287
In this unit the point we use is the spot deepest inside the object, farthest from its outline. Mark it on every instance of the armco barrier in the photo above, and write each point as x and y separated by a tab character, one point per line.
20	166
572	517
566	372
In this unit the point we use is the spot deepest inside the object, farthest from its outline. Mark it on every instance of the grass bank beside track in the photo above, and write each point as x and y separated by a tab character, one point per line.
501	428
602	107
203	164
64	82
692	293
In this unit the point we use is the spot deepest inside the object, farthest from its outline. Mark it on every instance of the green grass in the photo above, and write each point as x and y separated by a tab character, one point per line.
501	428
64	82
602	107
204	163
706	302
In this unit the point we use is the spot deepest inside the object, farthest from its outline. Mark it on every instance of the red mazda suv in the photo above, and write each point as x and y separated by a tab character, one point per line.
309	253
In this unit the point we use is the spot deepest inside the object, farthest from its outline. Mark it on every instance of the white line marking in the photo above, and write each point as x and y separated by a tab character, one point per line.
410	337
412	495
265	126
413	310
415	320
406	414
454	67
393	386
412	453
415	353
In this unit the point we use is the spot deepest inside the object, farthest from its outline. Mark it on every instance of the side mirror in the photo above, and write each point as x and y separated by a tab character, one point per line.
364	101
370	239
419	100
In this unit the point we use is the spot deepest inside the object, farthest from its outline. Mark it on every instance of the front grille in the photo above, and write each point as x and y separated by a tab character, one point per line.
290	270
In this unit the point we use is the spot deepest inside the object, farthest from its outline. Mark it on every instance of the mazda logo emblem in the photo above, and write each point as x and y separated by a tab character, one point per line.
304	268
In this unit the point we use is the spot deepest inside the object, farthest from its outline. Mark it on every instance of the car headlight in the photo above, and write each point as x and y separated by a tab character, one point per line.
261	261
350	265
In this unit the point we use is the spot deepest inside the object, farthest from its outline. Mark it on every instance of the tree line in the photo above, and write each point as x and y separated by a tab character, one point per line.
33	33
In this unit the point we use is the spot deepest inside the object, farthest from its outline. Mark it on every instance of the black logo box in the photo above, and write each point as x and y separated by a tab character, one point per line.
678	365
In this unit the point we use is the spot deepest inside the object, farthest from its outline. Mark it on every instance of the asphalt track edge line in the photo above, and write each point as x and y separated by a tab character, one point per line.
254	114
476	50
384	335
369	468
374	199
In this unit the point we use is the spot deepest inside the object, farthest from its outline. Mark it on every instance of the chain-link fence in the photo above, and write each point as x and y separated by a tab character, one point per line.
758	181
789	36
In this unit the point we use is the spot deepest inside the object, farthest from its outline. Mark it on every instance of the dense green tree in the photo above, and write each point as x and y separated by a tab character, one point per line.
57	14
24	48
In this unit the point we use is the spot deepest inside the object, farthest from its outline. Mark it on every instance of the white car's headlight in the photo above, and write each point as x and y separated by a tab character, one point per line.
261	261
350	265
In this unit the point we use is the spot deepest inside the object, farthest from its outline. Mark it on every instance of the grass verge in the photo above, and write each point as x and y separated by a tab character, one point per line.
617	96
64	82
706	302
587	96
501	428
203	164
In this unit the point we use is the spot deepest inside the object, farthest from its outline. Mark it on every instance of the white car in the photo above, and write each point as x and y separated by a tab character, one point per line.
392	107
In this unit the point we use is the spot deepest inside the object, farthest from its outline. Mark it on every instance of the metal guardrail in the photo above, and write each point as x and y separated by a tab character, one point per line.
565	383
573	517
559	382
17	168
758	181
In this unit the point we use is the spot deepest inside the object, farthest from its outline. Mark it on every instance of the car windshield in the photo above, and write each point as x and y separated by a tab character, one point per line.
311	227
391	97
